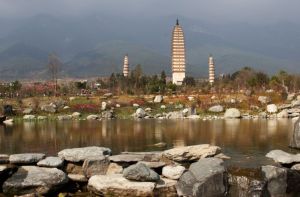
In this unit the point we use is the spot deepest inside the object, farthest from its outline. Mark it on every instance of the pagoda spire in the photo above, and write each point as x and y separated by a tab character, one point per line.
177	21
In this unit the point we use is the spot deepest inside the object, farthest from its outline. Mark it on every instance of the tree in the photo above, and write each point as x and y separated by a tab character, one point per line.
189	81
54	66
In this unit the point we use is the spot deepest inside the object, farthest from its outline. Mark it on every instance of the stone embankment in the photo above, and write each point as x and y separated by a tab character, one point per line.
197	170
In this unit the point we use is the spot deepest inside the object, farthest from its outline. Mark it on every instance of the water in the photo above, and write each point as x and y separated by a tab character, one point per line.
246	141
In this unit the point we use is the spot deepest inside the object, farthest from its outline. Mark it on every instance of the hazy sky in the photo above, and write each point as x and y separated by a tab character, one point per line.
218	11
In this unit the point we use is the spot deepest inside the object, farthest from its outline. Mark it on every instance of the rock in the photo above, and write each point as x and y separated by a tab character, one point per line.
293	182
74	168
66	107
118	105
272	108
189	111
52	162
175	115
117	185
4	159
77	177
191	98
135	105
165	188
114	168
32	179
163	107
140	172
264	99
76	115
247	185
290	97
96	166
107	95
295	139
283	114
81	154
248	92
158	99
296	167
64	117
103	106
263	115
173	172
207	177
29	117
92	117
109	114
42	118
283	157
191	153
140	113
232	113
72	98
153	164
194	117
49	108
276	179
216	109
27	111
222	156
148	109
295	103
26	158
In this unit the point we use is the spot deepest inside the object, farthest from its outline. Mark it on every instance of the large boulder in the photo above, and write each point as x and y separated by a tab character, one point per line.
127	158
272	108
158	99
173	172
207	177
117	185
216	109
26	158
191	153
283	157
140	172
96	166
232	113
32	179
51	162
295	140
140	113
81	154
276	180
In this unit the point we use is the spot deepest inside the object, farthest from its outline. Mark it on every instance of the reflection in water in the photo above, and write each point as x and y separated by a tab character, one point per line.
239	138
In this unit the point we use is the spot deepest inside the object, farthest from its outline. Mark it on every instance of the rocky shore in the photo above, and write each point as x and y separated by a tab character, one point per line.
198	170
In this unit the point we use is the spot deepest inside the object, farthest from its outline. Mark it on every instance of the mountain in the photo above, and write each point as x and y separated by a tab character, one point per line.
95	45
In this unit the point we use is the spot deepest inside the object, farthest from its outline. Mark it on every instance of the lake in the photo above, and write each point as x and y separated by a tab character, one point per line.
246	141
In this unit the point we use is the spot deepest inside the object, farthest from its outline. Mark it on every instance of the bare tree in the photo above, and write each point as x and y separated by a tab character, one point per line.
54	66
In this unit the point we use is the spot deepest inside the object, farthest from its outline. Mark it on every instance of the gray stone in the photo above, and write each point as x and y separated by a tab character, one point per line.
165	188
140	113
42	118
295	140
81	154
64	117
263	115
32	179
193	117
140	172
26	158
290	97
283	157
117	185
207	177
103	105
175	115
158	99
173	172
52	162
295	103
153	164
49	108
127	158
276	179
77	177
4	159
92	117
191	153
296	167
96	166
29	117
27	111
109	114
216	109
232	113
76	115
